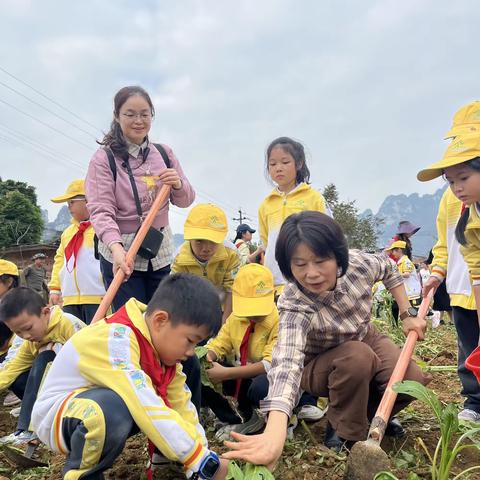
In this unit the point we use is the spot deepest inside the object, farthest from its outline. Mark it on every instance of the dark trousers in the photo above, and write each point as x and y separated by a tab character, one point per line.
27	384
84	312
251	392
140	285
96	439
354	375
466	324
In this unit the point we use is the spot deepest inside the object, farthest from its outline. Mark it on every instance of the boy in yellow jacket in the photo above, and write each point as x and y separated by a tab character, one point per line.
206	253
44	330
123	374
76	277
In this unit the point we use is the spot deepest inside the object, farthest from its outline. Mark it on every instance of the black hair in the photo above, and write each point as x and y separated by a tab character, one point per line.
408	244
188	299
114	138
296	150
317	231
5	334
474	164
239	235
19	300
6	277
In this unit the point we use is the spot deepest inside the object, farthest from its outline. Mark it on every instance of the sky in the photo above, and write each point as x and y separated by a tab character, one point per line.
368	87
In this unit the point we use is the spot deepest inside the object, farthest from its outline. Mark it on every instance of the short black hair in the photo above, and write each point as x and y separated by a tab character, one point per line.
188	299
19	300
6	277
318	232
5	333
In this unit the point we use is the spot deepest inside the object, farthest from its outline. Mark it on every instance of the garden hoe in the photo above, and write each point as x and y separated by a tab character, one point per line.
367	458
21	459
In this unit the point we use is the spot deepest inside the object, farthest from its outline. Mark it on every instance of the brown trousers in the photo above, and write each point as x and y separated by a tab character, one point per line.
354	376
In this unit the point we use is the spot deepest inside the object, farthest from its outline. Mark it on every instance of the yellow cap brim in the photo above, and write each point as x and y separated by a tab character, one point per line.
253	307
436	169
66	197
192	233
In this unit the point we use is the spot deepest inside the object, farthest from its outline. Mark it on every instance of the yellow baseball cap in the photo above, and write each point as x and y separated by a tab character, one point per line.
397	244
253	291
206	222
462	149
75	189
8	268
466	120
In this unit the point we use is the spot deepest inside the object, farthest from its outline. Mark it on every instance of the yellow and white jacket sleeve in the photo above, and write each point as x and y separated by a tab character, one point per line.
471	254
55	284
19	363
262	226
117	366
440	250
231	269
222	344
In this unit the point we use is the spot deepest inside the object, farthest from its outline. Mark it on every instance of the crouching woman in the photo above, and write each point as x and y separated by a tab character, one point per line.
327	345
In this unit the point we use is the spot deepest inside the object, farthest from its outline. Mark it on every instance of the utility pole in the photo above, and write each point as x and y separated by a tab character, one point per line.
241	216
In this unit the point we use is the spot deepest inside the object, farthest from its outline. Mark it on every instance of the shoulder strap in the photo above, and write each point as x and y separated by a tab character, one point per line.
164	154
111	161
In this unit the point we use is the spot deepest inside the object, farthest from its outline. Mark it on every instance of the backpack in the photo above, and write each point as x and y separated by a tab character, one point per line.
113	168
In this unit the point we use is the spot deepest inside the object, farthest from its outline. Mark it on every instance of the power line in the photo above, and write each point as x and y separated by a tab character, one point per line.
46	124
47	109
49	99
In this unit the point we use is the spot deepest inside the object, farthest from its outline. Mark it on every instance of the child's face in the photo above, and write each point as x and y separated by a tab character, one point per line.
5	286
397	253
315	274
30	327
282	168
174	344
39	262
78	210
464	182
204	250
258	318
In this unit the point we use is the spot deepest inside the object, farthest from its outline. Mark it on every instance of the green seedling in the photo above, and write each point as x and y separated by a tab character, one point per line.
201	353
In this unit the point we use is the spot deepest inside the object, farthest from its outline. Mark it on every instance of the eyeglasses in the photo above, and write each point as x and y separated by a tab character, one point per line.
142	116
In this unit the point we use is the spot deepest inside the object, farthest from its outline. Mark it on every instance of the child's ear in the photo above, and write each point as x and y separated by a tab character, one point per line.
159	319
45	311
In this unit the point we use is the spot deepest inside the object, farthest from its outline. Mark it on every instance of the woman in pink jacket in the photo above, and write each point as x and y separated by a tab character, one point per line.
123	178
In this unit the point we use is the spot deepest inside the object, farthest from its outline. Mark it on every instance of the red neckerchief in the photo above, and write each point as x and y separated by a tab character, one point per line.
244	353
161	376
74	244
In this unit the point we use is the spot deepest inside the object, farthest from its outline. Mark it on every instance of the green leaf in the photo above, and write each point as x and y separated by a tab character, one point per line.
201	353
424	394
385	476
234	472
257	472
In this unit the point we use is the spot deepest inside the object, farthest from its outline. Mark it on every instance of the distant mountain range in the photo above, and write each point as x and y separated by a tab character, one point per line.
418	209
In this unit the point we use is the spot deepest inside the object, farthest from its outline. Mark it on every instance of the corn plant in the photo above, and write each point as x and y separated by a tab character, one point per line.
443	458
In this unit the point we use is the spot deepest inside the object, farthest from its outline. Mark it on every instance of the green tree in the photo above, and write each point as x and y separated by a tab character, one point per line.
20	220
361	232
22	187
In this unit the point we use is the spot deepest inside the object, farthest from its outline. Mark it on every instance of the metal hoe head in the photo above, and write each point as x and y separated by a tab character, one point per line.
21	459
366	459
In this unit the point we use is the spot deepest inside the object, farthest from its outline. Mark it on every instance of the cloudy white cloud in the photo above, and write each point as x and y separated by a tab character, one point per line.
369	87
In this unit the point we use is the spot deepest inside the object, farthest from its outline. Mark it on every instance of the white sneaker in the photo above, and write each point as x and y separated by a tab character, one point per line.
467	415
15	412
11	400
310	413
18	438
253	425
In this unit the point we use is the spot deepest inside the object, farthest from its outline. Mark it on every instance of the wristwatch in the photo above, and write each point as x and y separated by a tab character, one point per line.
208	468
410	312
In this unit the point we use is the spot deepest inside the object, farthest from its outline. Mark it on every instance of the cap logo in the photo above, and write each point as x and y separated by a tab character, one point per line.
458	146
261	288
215	222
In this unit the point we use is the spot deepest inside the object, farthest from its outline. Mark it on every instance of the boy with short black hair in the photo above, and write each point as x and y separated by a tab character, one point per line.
124	374
207	254
44	330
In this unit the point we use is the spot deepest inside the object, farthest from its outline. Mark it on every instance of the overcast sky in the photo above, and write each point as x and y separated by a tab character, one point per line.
368	87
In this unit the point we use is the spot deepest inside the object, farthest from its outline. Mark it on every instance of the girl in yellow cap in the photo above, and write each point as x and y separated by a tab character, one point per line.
460	166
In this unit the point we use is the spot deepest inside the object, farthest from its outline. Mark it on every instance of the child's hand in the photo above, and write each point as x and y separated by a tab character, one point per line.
217	373
55	299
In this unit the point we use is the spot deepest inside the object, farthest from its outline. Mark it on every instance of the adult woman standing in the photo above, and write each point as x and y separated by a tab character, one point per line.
123	179
244	236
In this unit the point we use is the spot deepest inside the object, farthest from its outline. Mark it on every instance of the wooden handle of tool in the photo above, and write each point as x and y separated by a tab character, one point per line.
379	423
107	300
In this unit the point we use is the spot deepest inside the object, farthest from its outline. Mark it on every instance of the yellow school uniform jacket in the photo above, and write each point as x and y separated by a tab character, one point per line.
108	355
261	342
243	251
82	284
471	251
447	259
61	327
221	269
412	282
273	211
